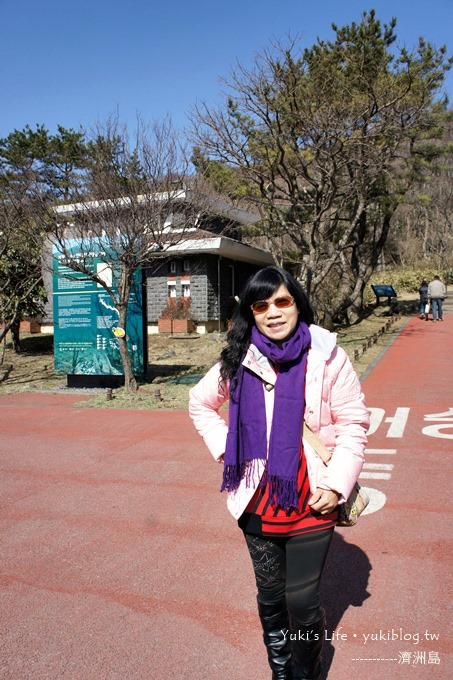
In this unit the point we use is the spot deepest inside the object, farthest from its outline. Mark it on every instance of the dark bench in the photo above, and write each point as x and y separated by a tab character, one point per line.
384	292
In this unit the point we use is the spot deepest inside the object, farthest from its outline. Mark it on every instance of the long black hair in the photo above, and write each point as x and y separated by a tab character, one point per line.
260	286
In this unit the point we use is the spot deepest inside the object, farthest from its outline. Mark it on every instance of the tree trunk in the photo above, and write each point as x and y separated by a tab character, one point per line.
15	335
130	383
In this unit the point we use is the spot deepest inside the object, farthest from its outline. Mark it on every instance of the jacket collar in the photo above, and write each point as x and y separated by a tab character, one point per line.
259	364
322	341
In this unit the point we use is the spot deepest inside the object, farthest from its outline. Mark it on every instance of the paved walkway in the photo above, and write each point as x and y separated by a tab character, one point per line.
120	561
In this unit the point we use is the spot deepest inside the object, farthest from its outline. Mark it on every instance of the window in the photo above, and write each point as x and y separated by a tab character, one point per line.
171	289
186	265
173	267
186	289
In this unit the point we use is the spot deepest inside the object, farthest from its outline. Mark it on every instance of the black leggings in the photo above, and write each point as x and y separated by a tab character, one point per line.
288	570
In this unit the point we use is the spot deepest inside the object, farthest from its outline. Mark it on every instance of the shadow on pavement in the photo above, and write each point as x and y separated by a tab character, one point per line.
344	585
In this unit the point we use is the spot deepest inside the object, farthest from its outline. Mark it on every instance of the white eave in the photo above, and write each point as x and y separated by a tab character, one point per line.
217	205
224	247
122	202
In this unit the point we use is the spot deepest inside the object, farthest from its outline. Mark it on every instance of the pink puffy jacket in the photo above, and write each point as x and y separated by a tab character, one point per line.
335	409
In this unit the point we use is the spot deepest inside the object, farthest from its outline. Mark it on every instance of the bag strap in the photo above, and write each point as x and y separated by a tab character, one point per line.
319	446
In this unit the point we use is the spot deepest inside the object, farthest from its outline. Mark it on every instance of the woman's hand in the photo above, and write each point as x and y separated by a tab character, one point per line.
324	501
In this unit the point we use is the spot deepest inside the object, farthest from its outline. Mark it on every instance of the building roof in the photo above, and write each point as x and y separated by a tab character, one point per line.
193	240
216	204
205	243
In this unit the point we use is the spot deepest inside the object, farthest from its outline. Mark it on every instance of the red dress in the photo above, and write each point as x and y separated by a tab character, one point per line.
262	519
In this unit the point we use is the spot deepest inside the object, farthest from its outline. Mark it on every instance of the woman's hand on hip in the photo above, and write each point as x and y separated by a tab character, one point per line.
324	501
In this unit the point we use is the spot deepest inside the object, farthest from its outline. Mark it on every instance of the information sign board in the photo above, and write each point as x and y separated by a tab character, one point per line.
383	291
86	327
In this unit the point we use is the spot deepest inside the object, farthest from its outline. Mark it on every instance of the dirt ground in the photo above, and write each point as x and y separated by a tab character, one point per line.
176	363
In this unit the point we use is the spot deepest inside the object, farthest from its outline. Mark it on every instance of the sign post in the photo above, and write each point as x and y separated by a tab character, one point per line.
86	329
384	291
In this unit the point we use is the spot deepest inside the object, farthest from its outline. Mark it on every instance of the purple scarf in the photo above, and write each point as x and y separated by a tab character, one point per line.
246	439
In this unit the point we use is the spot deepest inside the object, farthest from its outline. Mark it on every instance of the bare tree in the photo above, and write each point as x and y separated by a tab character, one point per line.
140	200
326	139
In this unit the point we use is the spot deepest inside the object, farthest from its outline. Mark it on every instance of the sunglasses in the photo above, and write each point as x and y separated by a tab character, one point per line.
261	306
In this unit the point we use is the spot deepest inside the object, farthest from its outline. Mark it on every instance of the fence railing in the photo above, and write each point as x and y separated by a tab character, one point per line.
372	339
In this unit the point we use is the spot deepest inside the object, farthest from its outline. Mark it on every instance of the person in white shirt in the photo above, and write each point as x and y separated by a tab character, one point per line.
436	294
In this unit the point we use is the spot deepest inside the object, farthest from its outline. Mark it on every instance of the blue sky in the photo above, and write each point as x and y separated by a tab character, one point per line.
76	62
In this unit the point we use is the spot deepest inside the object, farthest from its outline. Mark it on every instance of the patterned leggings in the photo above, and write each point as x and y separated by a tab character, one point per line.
288	570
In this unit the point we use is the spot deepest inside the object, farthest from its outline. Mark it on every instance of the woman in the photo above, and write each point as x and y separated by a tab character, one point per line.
278	369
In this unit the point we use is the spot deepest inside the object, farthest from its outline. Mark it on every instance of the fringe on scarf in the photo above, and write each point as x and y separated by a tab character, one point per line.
283	492
232	474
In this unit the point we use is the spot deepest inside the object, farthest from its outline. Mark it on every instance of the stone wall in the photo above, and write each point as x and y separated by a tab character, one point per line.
213	284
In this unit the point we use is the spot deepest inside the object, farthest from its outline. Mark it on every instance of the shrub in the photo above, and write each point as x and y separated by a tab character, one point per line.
176	308
402	279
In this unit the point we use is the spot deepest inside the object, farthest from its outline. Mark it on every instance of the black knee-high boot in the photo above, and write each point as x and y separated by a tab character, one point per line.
274	620
306	645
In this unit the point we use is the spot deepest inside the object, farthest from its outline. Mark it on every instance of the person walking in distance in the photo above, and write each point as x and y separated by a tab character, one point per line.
278	369
424	305
436	295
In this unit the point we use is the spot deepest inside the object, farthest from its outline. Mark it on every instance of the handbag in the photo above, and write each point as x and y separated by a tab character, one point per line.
427	306
349	511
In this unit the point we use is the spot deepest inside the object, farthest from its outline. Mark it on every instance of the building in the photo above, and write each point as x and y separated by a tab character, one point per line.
204	267
208	271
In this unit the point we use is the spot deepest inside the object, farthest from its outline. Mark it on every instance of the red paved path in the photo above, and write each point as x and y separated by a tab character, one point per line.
120	561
